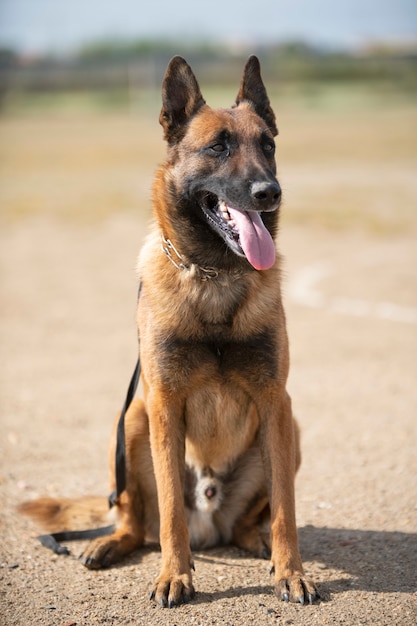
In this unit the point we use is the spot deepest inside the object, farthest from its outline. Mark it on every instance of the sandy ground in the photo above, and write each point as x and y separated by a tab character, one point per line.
67	351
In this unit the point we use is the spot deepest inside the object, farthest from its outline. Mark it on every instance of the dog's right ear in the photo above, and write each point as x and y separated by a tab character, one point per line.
181	99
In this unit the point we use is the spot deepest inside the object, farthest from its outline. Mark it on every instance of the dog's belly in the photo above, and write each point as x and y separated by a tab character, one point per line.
221	423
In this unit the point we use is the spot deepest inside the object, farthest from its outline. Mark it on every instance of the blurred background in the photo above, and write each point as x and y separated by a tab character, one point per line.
80	98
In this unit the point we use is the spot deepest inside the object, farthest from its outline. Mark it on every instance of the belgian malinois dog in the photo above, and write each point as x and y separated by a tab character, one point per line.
212	449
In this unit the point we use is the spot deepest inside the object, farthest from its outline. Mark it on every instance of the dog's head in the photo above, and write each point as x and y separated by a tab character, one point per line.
221	171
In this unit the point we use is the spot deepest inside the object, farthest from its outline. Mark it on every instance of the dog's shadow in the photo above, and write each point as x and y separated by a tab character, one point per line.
360	560
371	560
338	559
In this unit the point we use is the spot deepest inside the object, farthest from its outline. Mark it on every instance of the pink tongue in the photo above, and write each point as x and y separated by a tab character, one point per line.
255	239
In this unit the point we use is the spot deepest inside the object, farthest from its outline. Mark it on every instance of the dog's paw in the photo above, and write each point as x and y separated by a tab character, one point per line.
100	553
297	588
170	592
106	551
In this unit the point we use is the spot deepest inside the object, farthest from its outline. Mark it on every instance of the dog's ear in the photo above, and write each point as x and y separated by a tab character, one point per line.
181	99
253	90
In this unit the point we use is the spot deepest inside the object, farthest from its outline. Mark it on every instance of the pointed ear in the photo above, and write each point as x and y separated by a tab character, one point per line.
181	99
253	90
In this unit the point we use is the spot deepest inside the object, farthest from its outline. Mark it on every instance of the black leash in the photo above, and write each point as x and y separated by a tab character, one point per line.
121	440
52	541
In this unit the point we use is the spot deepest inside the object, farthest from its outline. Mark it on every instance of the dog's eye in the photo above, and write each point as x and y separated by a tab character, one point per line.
218	147
269	146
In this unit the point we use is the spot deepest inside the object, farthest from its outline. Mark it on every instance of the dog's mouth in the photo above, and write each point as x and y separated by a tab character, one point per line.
243	231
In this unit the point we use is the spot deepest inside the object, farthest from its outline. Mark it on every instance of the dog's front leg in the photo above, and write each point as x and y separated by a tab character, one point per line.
279	451
167	432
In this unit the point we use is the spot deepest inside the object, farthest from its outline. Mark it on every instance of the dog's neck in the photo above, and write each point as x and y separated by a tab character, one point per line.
203	273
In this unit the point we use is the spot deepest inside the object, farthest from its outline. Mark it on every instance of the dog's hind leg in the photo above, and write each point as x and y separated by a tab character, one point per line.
251	530
136	508
128	536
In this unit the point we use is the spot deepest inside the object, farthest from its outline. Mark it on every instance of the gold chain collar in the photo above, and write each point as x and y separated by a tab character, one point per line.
205	273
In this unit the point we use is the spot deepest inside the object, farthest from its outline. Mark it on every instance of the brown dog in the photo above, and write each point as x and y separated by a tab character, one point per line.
212	451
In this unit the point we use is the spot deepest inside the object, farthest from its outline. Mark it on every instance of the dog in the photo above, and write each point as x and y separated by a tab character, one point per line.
212	449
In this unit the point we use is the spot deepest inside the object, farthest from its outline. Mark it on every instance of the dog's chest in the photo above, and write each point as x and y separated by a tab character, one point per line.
250	361
221	422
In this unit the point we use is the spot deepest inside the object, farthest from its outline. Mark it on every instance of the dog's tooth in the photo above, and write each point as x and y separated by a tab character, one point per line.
232	224
226	216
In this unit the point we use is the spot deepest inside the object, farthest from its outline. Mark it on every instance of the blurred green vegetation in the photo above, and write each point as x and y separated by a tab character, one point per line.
80	138
123	75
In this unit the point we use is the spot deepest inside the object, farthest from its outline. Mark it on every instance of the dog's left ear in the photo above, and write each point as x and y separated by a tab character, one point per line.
181	99
253	90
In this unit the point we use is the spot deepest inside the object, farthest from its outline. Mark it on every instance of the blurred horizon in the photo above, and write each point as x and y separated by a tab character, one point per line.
43	27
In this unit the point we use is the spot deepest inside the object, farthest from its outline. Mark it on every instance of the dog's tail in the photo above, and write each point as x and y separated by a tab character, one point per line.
56	514
69	519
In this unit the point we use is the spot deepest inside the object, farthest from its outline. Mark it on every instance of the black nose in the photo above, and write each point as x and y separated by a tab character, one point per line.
266	194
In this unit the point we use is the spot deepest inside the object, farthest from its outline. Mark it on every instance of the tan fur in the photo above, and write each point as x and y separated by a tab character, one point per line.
214	355
55	514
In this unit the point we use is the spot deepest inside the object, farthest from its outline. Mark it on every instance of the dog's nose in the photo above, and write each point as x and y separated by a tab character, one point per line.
266	194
